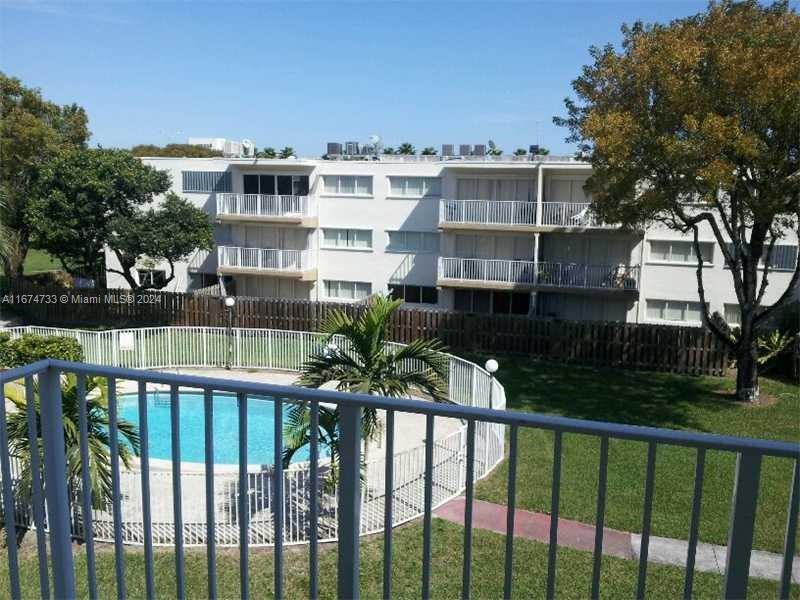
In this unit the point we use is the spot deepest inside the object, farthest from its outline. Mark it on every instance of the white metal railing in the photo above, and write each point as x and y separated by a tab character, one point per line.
264	205
261	259
487	212
513	212
214	347
570	214
545	274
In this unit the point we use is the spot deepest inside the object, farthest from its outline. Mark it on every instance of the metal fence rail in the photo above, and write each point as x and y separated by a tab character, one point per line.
348	502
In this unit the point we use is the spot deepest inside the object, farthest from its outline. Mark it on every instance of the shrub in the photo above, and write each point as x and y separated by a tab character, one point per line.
29	348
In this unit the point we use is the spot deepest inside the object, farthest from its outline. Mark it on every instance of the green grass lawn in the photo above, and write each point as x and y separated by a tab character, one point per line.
38	261
530	568
644	398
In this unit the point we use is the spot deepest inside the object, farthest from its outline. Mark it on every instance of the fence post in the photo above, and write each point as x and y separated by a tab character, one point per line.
55	487
349	500
743	518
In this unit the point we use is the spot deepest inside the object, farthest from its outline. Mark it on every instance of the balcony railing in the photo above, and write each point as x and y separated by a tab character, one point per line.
542	274
263	259
52	509
511	212
570	214
263	205
487	212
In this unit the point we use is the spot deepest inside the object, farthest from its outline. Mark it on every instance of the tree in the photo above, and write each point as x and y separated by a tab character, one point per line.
493	149
286	152
175	150
406	148
520	152
32	130
428	151
97	418
83	194
268	152
169	233
388	150
362	363
695	125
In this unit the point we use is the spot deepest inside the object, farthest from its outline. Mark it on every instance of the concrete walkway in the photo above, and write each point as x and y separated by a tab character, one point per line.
622	544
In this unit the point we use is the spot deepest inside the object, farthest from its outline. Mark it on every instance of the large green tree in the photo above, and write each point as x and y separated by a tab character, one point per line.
168	233
83	194
32	131
696	125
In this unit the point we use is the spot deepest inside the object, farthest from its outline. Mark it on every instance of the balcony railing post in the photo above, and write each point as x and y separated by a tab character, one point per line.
349	500
55	488
743	518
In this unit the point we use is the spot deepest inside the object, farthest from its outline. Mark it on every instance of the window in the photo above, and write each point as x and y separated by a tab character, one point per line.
414	294
347	290
270	185
784	257
347	185
152	277
678	251
415	187
347	238
207	181
422	242
674	310
733	315
495	302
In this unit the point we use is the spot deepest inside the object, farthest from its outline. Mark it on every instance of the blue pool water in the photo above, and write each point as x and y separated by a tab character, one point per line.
260	427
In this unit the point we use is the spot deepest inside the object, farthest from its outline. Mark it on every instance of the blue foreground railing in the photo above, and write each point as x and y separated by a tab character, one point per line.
51	507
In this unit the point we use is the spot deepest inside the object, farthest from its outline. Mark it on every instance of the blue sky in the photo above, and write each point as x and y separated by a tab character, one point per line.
305	73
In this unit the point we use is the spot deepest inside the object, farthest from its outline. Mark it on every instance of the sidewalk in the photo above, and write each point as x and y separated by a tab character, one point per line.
622	544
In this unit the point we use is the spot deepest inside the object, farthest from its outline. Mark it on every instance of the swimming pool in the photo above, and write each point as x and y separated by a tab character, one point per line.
260	427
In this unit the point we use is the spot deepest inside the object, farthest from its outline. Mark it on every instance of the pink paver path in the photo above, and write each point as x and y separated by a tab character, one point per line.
536	526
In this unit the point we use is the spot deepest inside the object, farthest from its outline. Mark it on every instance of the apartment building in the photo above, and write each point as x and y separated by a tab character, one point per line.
495	234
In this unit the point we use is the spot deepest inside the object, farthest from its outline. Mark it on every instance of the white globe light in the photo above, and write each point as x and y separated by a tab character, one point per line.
230	301
492	366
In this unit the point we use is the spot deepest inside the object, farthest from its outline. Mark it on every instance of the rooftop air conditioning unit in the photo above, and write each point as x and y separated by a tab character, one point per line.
479	150
464	149
334	148
447	150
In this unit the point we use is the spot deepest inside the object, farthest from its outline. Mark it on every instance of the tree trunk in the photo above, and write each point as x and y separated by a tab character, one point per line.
747	367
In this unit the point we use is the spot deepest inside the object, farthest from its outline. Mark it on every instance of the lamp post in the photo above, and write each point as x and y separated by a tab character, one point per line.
230	302
491	368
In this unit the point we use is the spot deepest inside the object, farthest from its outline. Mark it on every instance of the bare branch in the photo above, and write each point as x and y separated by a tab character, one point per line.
767	266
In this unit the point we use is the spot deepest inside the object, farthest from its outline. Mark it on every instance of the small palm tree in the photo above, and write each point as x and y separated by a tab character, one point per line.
388	150
363	363
286	152
19	443
428	151
406	148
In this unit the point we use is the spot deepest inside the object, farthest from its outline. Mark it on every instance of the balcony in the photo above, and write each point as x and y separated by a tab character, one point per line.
58	510
501	274
294	264
517	216
263	208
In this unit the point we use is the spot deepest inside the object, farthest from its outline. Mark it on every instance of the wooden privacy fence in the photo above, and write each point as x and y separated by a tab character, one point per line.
642	346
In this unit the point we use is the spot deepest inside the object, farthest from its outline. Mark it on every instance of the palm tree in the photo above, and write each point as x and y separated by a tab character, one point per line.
362	363
406	148
428	151
388	150
98	437
286	152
